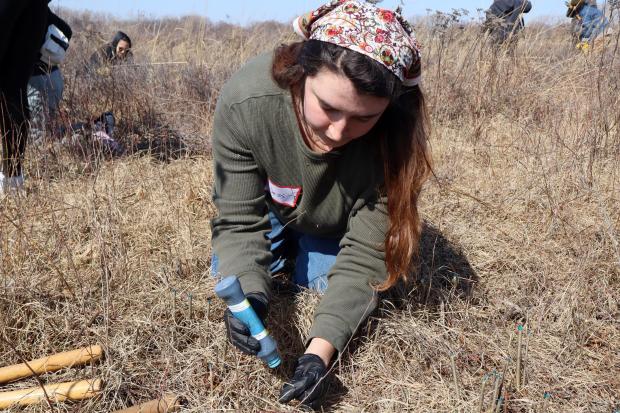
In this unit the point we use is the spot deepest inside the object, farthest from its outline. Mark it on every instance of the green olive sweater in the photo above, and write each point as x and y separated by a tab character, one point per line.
261	162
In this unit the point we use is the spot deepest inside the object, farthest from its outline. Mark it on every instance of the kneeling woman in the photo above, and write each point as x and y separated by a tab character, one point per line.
320	152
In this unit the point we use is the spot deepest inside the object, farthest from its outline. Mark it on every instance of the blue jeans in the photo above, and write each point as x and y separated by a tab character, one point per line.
44	95
314	256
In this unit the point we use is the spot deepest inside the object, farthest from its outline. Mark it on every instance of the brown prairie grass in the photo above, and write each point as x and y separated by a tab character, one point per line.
522	224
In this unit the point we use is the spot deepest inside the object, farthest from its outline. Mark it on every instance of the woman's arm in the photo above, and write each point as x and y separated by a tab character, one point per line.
350	297
239	230
321	348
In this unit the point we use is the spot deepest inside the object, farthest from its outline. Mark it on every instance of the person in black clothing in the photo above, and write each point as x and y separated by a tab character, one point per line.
113	53
504	18
23	25
46	85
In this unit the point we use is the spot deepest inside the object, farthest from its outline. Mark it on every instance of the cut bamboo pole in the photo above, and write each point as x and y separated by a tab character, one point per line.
50	363
58	392
167	403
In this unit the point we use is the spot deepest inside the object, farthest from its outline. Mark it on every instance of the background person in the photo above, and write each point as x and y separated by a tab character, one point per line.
100	130
117	51
320	152
588	21
504	19
46	85
22	29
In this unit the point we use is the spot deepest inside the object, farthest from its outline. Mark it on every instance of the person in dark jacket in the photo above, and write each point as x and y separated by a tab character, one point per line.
113	53
116	52
46	85
22	29
504	18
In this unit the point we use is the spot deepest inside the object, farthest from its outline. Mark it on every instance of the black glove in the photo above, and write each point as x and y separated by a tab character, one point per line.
308	383
238	333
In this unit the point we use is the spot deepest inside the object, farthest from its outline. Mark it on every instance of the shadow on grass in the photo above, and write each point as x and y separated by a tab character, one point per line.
162	143
444	274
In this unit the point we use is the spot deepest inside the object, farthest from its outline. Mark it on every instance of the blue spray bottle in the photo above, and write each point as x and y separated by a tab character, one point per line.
229	290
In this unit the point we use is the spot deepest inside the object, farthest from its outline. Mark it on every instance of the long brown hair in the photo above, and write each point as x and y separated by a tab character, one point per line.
403	137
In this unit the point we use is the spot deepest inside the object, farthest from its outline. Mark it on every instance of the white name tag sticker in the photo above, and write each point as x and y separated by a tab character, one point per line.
284	195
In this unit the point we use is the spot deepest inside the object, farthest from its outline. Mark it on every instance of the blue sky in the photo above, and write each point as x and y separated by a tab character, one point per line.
247	11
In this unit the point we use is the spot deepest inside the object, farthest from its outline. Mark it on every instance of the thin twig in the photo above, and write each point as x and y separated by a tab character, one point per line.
482	389
519	360
456	380
34	373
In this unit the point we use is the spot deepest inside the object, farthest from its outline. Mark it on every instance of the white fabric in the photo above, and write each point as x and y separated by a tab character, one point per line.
11	184
55	46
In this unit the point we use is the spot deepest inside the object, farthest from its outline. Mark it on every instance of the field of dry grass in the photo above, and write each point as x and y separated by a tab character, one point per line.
522	228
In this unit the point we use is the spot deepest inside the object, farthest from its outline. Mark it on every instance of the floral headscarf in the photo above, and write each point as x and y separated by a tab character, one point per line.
382	35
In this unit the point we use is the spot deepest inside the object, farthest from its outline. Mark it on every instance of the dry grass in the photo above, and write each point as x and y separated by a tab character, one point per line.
522	228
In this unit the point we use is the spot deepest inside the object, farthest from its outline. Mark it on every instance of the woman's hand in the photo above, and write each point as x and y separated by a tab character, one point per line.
308	384
238	333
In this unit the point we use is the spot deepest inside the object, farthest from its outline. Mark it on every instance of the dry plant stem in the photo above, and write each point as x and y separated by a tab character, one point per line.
42	386
174	306
90	323
58	392
51	363
498	406
482	389
525	355
442	312
173	316
519	360
456	381
191	316
495	393
499	382
167	403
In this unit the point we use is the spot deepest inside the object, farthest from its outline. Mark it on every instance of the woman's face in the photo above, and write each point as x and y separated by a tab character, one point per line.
336	113
122	48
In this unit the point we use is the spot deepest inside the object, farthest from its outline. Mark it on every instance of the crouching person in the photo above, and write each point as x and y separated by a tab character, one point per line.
320	152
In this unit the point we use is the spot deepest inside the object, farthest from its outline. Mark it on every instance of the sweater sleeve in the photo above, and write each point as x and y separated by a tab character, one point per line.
239	231
360	264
